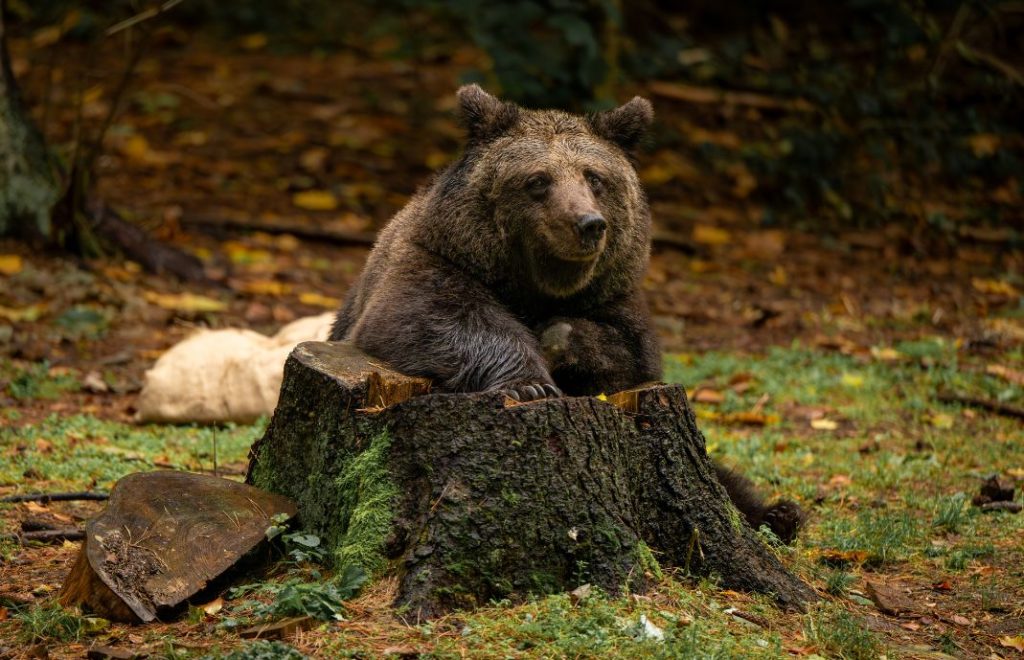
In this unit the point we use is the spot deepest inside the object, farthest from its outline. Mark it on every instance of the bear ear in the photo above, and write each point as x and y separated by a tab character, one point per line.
626	124
484	117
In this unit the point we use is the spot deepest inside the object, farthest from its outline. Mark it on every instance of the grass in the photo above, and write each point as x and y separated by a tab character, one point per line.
50	623
888	488
839	634
80	452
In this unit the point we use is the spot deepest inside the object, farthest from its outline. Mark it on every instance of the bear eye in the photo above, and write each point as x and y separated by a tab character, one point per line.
595	181
538	184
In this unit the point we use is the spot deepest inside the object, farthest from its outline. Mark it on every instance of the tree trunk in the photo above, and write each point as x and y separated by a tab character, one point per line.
473	497
28	185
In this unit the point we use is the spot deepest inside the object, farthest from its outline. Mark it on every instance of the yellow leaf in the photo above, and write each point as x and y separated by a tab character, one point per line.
778	276
46	36
265	287
995	287
254	41
10	264
853	380
1016	473
184	302
319	300
707	395
1016	642
315	200
137	148
214	606
983	145
240	253
710	235
824	424
30	313
941	421
998	370
885	354
602	397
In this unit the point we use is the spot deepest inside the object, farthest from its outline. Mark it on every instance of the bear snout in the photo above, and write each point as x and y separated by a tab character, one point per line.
591	227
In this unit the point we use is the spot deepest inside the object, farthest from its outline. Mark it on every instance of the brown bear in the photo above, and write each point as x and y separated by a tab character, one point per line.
519	268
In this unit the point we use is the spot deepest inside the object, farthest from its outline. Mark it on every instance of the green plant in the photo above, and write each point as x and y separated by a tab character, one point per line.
50	622
840	634
951	513
261	650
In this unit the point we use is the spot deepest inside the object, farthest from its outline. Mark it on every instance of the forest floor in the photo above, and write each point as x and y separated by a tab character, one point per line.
815	361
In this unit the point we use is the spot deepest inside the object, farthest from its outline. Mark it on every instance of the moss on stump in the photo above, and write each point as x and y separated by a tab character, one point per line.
470	498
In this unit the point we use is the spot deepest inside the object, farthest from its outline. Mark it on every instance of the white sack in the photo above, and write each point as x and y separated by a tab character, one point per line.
224	375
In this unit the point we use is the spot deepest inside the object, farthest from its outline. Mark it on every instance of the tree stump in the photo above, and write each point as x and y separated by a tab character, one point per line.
474	497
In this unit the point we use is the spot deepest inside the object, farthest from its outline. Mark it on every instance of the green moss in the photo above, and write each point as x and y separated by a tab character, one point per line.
646	561
369	503
734	518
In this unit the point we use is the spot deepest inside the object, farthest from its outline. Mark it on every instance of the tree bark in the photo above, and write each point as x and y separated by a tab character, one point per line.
29	186
473	497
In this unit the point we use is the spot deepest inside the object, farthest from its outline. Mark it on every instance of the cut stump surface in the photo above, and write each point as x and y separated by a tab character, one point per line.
162	538
473	497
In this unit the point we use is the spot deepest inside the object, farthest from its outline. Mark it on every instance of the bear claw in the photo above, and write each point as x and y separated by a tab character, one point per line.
533	392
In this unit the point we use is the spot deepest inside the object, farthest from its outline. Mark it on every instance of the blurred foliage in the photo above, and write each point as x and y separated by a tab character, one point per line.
903	95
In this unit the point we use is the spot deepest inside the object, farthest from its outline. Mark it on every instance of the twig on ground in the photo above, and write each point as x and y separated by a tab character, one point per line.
55	497
46	536
975	56
991	405
327	234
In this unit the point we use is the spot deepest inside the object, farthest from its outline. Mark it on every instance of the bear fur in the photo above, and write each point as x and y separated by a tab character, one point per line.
519	268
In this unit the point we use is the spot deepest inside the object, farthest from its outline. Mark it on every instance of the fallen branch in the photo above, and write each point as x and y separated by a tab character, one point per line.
975	56
709	96
334	235
55	497
991	405
139	246
46	536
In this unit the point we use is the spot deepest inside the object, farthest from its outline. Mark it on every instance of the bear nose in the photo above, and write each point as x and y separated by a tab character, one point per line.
591	226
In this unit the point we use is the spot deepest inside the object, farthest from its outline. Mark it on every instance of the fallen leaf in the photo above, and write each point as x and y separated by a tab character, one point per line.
707	395
1016	642
824	424
184	302
889	600
709	235
265	287
941	420
254	41
1006	373
886	354
853	380
30	313
10	264
983	145
214	606
319	300
46	36
960	620
843	557
995	287
315	200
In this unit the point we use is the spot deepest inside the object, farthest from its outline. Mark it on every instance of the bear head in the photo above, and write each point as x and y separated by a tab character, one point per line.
556	204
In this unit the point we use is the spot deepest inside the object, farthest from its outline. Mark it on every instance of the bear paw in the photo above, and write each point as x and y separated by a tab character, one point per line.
554	341
784	518
531	392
